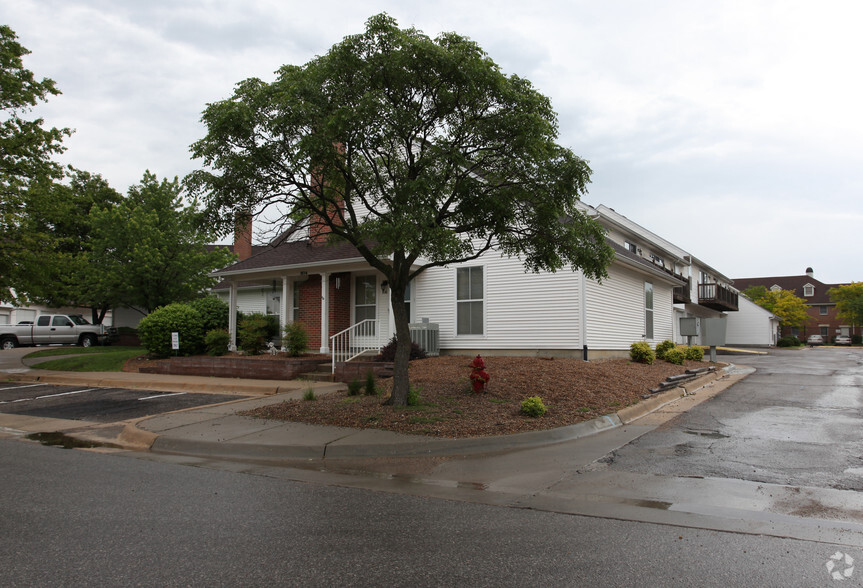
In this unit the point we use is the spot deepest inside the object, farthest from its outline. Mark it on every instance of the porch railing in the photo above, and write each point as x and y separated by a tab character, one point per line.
355	341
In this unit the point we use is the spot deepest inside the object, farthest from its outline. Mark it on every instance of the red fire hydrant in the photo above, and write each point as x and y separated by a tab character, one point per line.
478	377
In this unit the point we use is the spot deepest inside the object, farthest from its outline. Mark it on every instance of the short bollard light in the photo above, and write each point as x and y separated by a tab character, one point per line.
478	377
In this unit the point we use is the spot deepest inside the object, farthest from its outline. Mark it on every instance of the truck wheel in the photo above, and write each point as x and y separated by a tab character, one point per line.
88	341
9	344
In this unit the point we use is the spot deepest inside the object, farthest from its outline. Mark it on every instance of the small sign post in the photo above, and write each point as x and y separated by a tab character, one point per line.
175	342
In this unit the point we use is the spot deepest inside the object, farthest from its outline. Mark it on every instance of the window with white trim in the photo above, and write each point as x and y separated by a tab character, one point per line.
365	301
809	290
648	310
823	310
470	296
408	296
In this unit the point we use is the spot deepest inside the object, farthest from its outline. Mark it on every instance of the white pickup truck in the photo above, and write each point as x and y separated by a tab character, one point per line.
53	328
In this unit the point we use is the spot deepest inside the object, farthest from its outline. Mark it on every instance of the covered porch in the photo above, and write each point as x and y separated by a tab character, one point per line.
341	302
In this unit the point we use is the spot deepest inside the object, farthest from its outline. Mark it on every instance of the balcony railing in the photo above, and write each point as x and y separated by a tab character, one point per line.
717	297
682	294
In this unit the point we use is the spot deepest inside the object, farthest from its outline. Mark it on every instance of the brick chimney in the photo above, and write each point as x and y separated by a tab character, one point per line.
319	230
243	238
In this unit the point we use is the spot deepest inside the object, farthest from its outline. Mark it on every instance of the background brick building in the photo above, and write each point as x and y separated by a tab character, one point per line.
822	312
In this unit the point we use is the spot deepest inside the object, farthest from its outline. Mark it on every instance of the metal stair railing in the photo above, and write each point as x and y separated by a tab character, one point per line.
346	345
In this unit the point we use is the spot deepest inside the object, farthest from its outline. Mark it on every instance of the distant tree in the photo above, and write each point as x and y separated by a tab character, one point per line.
57	216
150	249
26	151
789	308
849	302
420	153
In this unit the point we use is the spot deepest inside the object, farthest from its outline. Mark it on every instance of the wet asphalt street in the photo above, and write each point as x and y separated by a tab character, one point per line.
798	420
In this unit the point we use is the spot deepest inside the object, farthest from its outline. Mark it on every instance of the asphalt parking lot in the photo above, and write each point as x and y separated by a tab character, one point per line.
102	405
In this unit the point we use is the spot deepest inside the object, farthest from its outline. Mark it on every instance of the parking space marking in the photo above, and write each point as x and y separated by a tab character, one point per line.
48	396
162	395
25	386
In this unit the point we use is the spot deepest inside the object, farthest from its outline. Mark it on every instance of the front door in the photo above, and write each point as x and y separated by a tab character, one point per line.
365	309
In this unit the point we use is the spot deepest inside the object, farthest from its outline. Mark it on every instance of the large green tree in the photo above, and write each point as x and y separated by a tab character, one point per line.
150	250
27	149
57	215
420	152
789	308
849	302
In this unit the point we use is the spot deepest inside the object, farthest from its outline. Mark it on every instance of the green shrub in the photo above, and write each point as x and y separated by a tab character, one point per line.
641	352
310	394
217	341
694	353
788	342
214	312
371	388
295	339
414	396
253	333
155	330
533	407
675	355
856	339
354	388
661	348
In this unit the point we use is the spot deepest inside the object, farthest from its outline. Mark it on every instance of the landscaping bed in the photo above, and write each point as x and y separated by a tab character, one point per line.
572	390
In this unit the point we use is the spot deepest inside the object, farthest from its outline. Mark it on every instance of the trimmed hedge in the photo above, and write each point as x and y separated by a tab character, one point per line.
155	330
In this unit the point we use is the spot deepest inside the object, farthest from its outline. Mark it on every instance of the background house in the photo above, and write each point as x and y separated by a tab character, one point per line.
821	310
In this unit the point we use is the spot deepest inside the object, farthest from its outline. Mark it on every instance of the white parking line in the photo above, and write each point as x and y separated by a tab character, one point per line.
48	396
162	396
20	387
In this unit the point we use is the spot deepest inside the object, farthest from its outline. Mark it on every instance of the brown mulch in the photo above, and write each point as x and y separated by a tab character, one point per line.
571	389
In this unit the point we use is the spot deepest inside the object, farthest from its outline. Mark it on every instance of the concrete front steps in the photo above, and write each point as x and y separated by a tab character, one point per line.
324	373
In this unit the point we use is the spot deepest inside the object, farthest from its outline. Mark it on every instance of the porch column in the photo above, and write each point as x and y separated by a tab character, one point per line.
286	306
325	312
232	316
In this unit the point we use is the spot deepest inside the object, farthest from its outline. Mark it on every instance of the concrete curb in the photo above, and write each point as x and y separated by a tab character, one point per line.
266	440
216	431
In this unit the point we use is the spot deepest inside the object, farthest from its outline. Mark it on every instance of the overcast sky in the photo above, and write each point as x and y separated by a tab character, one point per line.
731	129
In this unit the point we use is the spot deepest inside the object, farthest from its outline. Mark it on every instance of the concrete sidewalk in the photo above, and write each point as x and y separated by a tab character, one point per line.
219	432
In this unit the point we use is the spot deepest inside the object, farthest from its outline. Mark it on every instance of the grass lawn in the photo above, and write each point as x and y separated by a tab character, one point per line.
87	359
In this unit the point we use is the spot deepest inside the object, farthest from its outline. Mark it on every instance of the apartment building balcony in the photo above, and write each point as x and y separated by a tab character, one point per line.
682	294
717	297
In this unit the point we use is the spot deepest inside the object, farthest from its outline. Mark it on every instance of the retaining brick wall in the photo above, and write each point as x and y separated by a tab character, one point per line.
357	370
235	367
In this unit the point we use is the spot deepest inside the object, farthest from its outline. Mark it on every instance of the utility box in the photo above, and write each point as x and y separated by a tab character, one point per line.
690	327
713	331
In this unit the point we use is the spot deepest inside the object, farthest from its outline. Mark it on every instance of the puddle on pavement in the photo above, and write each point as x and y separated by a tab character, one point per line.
709	434
58	439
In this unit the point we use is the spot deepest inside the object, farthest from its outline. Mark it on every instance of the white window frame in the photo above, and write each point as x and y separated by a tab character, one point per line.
649	308
459	302
808	290
356	278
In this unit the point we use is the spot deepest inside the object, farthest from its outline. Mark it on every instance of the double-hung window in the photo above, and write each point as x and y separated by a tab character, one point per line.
469	301
648	310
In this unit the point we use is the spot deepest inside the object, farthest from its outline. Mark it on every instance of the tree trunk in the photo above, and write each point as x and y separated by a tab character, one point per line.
401	378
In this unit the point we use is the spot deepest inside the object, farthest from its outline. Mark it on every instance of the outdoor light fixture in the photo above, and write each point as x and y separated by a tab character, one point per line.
384	286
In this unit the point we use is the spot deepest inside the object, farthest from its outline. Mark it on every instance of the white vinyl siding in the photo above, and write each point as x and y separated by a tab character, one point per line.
616	311
751	325
521	310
